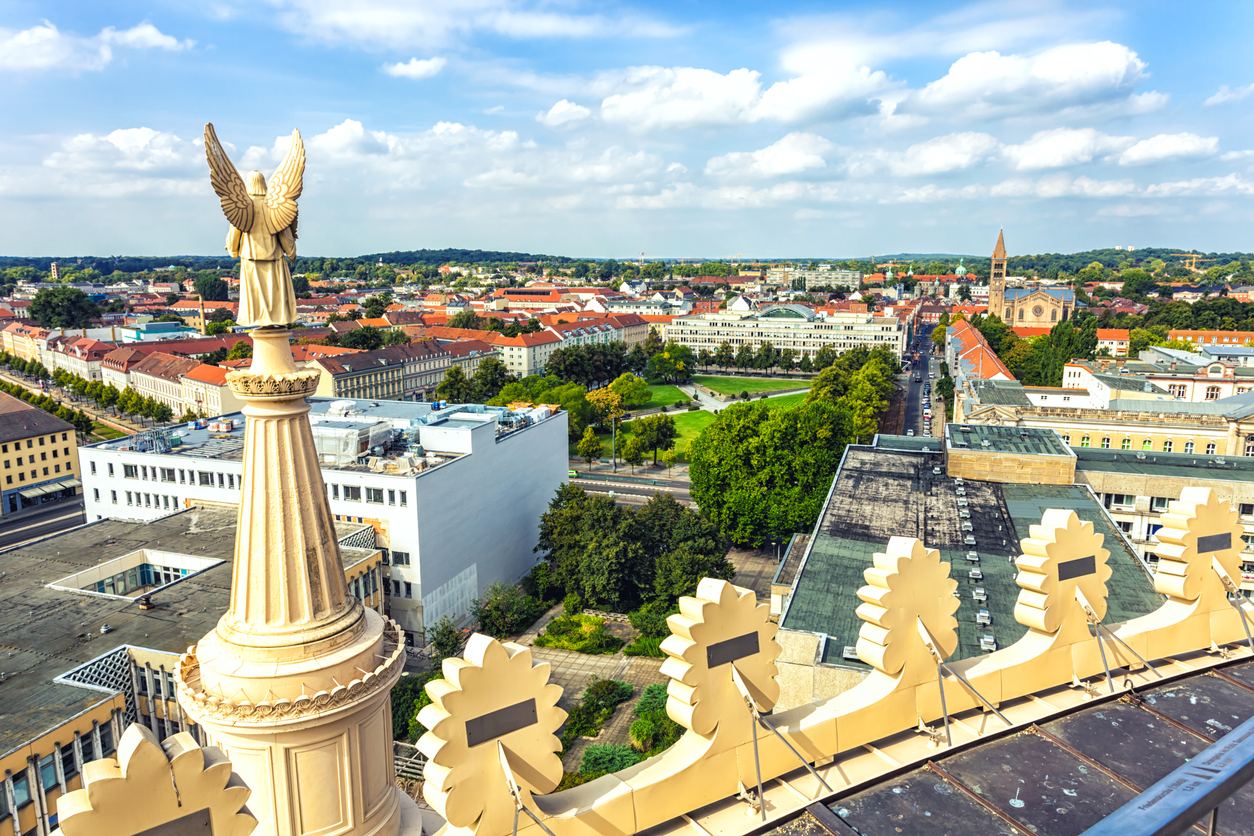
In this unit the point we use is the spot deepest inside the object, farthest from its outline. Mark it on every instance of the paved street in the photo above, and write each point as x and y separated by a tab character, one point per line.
41	522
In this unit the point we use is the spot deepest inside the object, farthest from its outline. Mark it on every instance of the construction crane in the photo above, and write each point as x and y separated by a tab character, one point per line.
640	261
1191	260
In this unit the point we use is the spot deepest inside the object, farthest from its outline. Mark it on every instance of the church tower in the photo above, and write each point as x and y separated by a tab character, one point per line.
997	280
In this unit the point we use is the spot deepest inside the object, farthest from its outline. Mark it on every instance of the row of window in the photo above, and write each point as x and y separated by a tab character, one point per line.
147	500
47	770
43	457
30	442
34	474
1148	445
374	496
204	478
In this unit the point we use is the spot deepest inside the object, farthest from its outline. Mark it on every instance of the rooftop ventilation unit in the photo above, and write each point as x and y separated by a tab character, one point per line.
850	654
979	594
936	471
962	501
968	540
974	557
964	514
985	443
982	617
987	643
961	492
975	575
958	482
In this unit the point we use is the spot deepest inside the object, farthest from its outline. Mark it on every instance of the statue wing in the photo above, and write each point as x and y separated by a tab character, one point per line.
236	204
285	186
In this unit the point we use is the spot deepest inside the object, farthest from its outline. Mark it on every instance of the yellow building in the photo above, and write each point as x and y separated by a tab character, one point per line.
38	457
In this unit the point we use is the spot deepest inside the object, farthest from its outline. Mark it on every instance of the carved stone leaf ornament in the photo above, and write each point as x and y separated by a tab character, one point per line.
1198	527
721	626
146	788
1062	555
907	585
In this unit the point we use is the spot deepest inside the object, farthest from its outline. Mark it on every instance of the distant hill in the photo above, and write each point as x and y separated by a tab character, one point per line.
460	257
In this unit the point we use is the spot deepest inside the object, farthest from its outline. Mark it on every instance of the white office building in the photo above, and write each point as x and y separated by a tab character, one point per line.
453	495
787	326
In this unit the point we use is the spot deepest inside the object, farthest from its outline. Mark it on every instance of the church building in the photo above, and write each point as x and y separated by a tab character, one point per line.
1030	306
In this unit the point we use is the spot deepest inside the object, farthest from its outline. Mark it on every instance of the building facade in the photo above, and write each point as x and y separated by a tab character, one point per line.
787	326
1025	305
39	452
398	372
429	482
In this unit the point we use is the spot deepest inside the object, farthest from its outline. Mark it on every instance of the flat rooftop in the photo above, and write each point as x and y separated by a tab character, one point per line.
881	493
45	631
1177	465
992	439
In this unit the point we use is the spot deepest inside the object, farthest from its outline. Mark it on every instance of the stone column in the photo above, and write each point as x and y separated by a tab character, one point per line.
293	683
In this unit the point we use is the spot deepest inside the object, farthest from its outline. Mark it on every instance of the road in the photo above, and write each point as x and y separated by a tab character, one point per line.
626	486
56	516
915	393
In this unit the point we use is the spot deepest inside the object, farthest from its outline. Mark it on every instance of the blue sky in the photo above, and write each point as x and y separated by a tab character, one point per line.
686	128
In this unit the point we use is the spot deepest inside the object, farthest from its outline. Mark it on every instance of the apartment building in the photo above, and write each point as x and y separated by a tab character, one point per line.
1113	341
82	356
159	376
85	659
524	355
398	372
39	452
787	326
429	482
27	340
1213	338
1194	382
206	392
810	279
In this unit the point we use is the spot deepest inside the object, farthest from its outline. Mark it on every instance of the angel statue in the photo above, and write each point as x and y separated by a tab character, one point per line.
263	230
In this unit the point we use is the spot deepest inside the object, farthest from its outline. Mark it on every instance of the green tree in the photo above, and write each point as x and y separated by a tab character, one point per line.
489	379
590	447
445	639
242	350
213	329
366	338
633	391
63	307
467	319
455	387
656	432
221	315
938	335
724	355
669	458
212	289
760	473
162	413
632	452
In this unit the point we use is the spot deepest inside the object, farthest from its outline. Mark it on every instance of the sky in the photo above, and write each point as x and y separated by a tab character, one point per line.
679	129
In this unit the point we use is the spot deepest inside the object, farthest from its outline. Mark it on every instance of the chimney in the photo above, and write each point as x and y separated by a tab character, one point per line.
203	325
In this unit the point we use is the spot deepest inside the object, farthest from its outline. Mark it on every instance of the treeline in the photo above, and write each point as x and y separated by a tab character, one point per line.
459	256
761	474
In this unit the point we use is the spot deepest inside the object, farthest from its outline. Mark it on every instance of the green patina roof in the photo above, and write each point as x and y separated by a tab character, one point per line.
1023	440
1000	392
881	493
1181	465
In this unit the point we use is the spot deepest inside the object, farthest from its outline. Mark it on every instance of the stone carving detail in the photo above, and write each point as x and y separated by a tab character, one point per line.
284	386
268	712
146	788
1197	528
907	586
493	694
1061	556
723	625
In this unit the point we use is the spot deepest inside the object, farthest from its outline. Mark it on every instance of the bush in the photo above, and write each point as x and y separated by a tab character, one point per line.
680	404
604	694
597	705
601	760
506	610
541	584
572	605
744	396
655	731
405	694
652	700
693	407
645	646
580	633
650	620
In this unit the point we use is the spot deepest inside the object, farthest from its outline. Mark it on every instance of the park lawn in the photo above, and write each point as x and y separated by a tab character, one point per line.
664	393
784	401
736	385
104	433
689	425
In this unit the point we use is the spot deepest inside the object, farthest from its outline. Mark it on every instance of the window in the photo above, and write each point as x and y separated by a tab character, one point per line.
56	468
409	589
106	740
54	454
1168	445
1249	541
67	762
1126	526
144	472
230	481
402	497
1120	500
129	498
114	495
95	494
400	558
93	467
206	478
1084	442
1212	393
166	501
1246	509
374	495
110	468
352	493
1066	439
130	471
182	473
1210	449
1188	446
335	491
1159	503
1106	443
21	790
45	471
63	436
391	497
221	480
41	441
147	500
396	588
167	474
1147	444
48	771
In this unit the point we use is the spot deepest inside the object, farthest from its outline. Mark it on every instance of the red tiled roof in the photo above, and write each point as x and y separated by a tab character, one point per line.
206	373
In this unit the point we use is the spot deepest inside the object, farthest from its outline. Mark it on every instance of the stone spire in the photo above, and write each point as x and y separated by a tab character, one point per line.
1000	250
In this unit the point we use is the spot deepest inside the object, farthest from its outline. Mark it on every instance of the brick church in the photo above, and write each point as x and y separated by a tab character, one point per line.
1029	306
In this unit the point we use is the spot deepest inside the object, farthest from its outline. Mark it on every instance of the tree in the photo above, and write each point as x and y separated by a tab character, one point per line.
445	639
366	338
633	391
490	378
242	350
607	406
656	432
652	343
668	458
633	453
220	315
938	334
162	413
212	289
213	329
724	354
590	447
455	386
760	473
466	319
63	307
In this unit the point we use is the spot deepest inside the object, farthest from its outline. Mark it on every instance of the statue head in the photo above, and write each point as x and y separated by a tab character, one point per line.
256	183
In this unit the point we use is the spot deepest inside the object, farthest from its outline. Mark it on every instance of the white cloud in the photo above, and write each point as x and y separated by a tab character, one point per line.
1229	184
416	68
839	89
494	109
1227	94
793	154
1062	147
1062	185
398	24
989	84
45	47
564	112
681	97
953	152
1170	147
1135	210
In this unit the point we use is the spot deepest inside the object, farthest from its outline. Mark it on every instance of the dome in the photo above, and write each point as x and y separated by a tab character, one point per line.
961	271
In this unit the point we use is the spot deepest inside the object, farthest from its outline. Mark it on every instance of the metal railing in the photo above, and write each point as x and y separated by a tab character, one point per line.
408	761
1189	794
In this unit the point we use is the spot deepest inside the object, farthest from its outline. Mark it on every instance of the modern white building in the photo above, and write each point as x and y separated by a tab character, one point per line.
453	495
788	326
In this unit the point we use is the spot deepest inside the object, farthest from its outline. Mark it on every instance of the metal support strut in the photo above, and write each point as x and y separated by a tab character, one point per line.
513	791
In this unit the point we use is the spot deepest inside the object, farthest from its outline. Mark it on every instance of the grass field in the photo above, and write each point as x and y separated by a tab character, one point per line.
664	393
736	385
100	432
